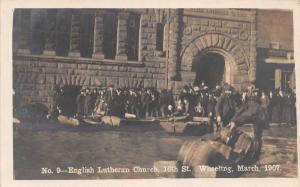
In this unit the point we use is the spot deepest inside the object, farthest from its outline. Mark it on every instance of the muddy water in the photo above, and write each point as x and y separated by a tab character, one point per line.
37	149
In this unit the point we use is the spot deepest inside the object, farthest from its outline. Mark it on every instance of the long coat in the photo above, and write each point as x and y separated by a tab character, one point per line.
264	100
252	113
79	104
288	105
225	107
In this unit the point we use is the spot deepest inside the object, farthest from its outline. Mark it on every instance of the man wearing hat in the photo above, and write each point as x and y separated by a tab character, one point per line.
184	96
110	97
252	113
80	102
225	106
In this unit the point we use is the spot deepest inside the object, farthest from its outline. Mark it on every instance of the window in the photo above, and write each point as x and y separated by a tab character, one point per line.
86	35
159	36
63	21
16	28
110	24
133	36
38	29
286	80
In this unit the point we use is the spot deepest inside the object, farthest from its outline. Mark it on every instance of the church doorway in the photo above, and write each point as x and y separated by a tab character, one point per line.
209	69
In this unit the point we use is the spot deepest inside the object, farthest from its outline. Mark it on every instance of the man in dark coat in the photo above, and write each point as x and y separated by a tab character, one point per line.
184	96
163	103
211	104
252	113
57	103
170	102
94	95
80	103
225	106
87	102
110	97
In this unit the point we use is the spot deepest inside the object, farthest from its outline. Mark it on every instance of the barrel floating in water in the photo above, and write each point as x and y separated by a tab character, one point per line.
201	156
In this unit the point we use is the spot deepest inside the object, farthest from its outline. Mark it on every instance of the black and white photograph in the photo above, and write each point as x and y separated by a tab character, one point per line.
152	93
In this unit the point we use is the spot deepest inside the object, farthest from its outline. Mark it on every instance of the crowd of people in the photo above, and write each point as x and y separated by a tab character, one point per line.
220	103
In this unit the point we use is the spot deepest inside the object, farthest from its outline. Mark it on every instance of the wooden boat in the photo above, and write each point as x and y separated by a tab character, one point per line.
197	127
178	125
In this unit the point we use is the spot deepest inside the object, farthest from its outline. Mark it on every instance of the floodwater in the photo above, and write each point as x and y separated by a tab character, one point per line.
53	148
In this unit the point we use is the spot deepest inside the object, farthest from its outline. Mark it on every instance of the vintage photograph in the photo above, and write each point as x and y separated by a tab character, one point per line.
153	93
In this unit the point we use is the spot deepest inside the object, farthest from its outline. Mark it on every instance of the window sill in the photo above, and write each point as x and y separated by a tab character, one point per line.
78	60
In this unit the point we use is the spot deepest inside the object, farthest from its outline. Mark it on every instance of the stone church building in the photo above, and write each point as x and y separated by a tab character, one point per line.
162	48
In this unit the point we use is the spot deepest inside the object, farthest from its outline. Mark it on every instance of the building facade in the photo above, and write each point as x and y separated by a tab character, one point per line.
162	48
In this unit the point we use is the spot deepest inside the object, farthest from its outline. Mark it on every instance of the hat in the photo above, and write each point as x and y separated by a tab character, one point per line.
185	87
227	87
196	88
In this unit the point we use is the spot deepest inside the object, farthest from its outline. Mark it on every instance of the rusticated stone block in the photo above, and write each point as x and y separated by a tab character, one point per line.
241	78
66	65
158	76
123	74
79	72
82	66
112	81
98	81
73	79
50	79
50	70
149	83
41	79
62	71
38	87
70	71
77	80
87	81
91	72
162	65
82	80
123	82
58	80
161	84
32	78
29	86
162	70
93	66
123	68
152	70
45	92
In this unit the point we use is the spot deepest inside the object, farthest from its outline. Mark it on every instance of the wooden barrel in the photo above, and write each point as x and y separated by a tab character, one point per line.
201	153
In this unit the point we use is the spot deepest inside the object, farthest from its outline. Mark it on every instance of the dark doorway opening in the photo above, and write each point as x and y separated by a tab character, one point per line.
69	99
209	69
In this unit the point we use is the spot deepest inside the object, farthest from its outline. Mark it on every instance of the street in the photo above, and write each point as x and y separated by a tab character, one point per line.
37	149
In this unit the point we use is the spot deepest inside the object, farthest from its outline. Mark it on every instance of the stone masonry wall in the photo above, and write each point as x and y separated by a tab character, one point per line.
35	78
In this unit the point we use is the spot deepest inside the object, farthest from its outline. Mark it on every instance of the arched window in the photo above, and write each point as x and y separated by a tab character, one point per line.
133	36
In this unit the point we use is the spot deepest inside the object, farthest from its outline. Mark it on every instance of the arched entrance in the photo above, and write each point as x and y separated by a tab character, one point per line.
214	58
210	69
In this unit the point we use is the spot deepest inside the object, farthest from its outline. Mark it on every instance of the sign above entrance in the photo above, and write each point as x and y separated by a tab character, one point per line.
222	13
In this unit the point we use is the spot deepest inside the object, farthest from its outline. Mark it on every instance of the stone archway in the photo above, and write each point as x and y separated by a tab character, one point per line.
210	69
236	60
